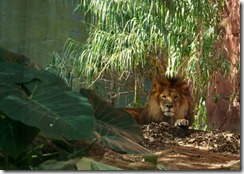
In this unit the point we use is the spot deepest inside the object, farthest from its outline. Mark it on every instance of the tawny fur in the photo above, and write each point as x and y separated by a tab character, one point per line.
166	91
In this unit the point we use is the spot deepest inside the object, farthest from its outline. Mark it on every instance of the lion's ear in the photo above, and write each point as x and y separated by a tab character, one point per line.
155	86
158	83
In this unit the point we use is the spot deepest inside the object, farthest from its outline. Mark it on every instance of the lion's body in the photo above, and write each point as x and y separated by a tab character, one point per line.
170	101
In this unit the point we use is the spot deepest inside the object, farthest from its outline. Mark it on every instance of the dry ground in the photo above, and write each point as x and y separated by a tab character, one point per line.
181	149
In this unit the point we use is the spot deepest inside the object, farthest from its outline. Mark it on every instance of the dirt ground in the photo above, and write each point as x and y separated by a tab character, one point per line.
181	149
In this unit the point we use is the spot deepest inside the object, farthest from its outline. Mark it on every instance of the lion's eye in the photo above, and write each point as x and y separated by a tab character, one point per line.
163	96
175	97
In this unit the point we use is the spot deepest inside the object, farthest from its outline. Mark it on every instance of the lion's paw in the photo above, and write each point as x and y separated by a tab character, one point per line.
182	123
163	123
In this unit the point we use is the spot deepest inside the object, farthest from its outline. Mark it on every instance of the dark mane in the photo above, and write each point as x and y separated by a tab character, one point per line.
175	81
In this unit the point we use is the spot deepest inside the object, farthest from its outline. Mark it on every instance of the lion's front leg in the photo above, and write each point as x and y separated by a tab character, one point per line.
182	123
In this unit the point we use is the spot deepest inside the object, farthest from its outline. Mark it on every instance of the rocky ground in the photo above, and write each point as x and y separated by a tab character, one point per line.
182	149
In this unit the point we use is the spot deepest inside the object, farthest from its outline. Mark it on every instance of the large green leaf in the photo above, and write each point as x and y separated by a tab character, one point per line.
58	165
117	128
15	136
90	164
41	99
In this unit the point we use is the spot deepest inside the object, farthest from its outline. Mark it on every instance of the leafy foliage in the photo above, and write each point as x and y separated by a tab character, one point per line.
15	136
89	164
134	40
34	101
42	100
58	165
115	125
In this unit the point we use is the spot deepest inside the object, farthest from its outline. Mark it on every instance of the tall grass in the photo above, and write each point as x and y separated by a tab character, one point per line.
130	41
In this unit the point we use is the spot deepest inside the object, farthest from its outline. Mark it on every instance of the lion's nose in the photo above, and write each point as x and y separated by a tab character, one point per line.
169	106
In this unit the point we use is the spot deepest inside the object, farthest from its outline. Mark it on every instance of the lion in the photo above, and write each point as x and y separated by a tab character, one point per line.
170	101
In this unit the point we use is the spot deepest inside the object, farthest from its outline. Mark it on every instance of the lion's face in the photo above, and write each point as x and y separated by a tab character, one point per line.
169	102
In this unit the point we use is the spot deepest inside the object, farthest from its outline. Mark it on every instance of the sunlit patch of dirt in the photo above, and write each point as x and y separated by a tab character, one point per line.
182	149
158	135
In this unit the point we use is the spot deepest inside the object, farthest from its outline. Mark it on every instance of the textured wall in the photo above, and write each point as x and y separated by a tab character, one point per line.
37	28
223	101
